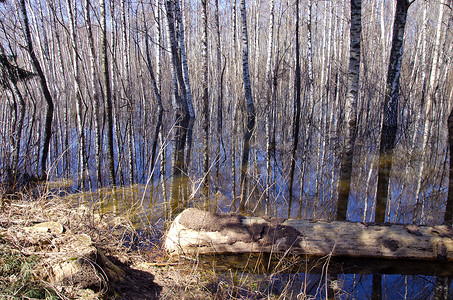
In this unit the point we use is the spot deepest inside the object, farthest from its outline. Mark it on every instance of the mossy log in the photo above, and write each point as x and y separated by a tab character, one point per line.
199	232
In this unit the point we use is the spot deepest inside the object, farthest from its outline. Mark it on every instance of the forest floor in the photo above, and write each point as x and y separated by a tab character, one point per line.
52	247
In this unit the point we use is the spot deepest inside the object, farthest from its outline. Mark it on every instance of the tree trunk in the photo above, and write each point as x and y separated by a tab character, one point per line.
431	93
115	87
107	94
78	95
389	124
182	116
63	115
417	80
448	217
350	132
126	84
269	97
205	97
95	93
18	123
199	232
297	108
250	108
156	89
311	97
234	105
186	82
17	131
220	73
45	91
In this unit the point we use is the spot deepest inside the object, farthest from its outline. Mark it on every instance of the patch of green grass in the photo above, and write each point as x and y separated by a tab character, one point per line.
17	276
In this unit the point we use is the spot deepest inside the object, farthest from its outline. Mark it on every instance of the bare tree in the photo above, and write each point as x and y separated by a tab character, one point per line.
156	89
45	90
350	126
10	75
297	110
311	102
250	107
77	93
300	98
181	108
107	94
431	96
205	96
186	82
448	216
220	75
95	92
389	123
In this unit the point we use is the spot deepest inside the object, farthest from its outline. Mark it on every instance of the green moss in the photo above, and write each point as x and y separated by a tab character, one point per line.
17	277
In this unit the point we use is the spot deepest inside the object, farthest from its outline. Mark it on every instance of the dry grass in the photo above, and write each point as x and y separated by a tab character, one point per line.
149	272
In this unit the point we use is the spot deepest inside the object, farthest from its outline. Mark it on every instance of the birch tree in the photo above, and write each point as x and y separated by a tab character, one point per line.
389	123
431	95
448	216
10	76
220	75
269	92
95	92
156	87
45	90
77	93
350	126
311	96
250	107
185	76
181	108
107	94
205	96
297	108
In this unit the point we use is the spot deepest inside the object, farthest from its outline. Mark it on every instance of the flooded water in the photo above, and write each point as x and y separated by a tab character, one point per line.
148	208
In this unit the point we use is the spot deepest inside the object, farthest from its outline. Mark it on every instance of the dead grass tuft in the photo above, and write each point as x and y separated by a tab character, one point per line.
121	262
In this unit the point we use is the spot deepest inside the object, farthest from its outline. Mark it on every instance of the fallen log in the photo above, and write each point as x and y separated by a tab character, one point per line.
200	232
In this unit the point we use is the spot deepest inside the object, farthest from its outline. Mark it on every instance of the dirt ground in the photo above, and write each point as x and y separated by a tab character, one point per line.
89	257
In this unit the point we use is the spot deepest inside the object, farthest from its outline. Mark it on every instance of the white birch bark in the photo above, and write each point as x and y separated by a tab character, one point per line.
389	120
182	46
250	107
182	114
126	87
383	35
155	83
158	49
205	96
256	46
269	86
77	94
311	93
418	81
431	95
220	75
94	91
45	91
350	128
186	83
17	124
107	94
336	111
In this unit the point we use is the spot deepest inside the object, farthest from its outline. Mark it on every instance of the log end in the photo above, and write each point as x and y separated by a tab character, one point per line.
196	231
